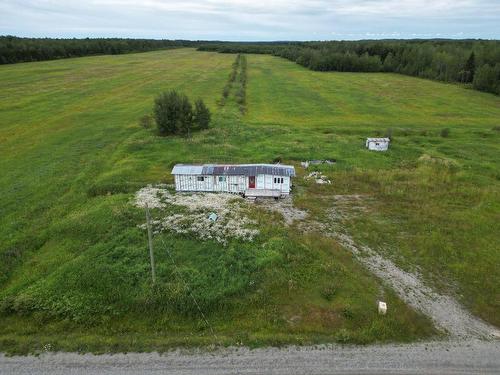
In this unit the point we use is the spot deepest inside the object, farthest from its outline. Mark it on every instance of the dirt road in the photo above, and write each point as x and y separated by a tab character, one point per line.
464	357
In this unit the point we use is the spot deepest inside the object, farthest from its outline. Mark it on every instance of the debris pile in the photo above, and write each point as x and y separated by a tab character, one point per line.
318	177
306	163
217	217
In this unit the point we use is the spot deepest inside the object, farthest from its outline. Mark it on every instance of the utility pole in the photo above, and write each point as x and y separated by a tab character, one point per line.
150	243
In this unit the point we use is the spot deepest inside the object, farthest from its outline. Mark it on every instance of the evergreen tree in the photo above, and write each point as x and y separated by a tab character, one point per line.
467	74
470	67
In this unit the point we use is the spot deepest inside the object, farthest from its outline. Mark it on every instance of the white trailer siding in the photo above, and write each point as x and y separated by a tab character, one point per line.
273	182
193	183
237	179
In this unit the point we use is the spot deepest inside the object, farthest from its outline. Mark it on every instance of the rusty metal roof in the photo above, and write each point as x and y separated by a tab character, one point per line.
235	169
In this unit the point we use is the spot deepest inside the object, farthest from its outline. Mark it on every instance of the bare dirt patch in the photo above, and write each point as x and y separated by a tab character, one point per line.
284	207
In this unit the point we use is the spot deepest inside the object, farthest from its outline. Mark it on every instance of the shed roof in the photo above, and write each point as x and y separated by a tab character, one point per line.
378	139
234	169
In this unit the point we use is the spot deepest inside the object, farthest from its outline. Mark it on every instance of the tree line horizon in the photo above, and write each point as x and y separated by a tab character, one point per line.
475	63
472	62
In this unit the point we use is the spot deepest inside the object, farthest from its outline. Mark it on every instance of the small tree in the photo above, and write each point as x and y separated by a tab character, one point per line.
201	115
173	113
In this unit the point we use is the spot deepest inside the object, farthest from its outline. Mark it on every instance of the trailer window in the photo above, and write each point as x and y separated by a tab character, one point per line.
200	178
222	178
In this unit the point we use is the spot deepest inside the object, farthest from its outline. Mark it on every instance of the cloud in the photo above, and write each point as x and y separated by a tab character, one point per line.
252	20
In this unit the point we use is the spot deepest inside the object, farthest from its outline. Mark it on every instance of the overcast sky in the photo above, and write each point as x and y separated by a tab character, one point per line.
252	19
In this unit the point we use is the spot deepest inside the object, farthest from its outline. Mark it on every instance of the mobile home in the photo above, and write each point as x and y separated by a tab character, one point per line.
251	180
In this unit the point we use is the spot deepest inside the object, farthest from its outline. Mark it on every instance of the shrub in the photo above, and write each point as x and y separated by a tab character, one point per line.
173	113
201	115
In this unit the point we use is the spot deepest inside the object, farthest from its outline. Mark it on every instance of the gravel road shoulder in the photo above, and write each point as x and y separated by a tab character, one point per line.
464	357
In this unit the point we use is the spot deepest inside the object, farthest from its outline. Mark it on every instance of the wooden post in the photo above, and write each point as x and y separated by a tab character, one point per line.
150	243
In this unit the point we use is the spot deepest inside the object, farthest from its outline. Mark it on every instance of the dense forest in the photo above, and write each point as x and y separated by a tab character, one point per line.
473	62
14	49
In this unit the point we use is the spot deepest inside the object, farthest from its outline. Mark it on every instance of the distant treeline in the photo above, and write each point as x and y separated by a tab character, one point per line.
14	49
474	62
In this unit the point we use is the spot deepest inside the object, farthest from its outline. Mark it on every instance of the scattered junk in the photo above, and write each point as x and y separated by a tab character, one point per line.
377	144
306	163
318	177
248	180
198	214
382	308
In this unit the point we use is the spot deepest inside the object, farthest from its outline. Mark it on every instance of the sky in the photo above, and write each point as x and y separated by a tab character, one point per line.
252	20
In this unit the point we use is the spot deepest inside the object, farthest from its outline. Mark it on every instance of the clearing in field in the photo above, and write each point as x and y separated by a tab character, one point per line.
74	266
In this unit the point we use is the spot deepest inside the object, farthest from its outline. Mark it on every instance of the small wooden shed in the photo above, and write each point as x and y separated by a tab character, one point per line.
377	144
251	180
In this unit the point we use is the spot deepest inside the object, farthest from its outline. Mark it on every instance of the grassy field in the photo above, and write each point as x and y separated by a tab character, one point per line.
74	265
433	202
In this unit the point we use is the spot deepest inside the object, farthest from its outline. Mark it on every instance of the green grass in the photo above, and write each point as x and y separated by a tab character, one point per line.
435	201
74	270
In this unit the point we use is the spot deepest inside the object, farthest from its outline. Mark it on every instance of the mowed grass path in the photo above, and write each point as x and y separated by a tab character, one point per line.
74	268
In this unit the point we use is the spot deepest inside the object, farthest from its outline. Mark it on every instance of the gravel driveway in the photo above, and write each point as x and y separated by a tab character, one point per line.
464	357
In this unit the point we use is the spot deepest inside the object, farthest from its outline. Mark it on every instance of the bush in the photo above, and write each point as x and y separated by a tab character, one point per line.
445	133
173	113
201	115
